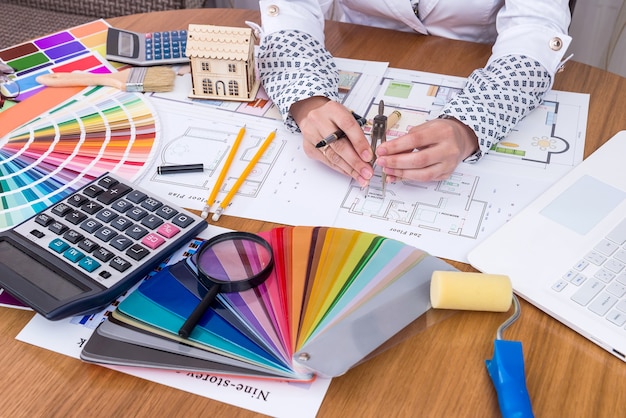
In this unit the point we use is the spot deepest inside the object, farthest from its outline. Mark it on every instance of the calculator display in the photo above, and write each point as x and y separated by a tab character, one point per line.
37	273
126	44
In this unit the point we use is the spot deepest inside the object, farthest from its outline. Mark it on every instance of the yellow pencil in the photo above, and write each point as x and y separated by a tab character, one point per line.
243	176
220	178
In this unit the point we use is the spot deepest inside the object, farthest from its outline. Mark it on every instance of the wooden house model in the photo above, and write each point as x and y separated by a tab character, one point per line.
222	62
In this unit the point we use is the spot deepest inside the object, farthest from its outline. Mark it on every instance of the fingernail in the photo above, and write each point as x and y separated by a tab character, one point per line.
381	151
366	174
367	155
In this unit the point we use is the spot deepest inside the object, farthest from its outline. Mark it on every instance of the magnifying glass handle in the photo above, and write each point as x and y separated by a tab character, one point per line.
200	309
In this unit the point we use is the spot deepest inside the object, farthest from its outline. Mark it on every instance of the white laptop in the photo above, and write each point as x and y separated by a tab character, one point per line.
566	251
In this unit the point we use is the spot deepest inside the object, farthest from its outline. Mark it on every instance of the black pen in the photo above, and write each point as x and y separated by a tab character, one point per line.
184	168
339	133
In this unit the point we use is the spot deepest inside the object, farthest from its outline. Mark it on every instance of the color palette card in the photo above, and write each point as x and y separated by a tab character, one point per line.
80	48
333	297
79	44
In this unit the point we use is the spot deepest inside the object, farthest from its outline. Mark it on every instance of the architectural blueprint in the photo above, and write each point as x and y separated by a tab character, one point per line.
445	218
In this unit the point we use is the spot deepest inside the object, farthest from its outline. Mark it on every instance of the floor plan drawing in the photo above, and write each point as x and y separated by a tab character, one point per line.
445	218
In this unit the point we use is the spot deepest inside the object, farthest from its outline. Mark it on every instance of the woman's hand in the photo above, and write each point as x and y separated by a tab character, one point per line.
319	117
428	152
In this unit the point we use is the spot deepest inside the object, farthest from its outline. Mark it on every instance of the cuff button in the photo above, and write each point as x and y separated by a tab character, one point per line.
556	44
273	10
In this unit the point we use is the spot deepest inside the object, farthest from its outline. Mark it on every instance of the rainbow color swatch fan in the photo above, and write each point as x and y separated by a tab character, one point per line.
99	130
333	296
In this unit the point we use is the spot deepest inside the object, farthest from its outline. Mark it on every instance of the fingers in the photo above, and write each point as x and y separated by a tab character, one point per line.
349	155
429	152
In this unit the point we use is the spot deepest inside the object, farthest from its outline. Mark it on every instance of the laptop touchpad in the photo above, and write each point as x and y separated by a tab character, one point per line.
584	204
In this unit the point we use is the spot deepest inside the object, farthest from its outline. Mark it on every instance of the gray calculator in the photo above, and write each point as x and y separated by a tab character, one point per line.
81	253
146	49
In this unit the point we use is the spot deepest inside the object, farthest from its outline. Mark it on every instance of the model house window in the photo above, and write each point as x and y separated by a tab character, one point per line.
206	66
207	86
233	88
232	68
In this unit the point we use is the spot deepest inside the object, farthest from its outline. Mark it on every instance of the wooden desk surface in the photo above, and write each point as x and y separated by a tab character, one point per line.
437	372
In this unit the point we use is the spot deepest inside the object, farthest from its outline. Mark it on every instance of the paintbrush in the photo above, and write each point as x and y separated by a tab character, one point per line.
152	79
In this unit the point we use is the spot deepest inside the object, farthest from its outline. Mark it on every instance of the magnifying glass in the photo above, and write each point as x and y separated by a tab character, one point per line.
226	263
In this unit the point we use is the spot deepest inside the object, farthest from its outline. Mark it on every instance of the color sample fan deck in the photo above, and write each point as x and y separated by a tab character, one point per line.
100	130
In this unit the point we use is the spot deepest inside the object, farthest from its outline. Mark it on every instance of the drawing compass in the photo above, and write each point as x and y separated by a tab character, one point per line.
379	134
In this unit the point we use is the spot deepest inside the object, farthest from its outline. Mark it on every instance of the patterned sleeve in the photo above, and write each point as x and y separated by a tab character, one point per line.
293	66
498	96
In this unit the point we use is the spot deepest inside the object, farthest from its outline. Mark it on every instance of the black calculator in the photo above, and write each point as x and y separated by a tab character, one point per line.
145	49
81	253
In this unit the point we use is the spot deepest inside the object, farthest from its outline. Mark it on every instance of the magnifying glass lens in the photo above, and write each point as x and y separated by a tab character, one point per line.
234	260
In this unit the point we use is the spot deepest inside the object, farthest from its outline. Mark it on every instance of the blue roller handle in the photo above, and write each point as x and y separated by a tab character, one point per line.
506	370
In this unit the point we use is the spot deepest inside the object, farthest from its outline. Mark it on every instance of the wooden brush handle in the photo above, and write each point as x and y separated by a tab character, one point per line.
80	78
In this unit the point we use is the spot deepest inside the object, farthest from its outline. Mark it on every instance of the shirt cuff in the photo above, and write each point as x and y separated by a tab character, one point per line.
498	96
294	66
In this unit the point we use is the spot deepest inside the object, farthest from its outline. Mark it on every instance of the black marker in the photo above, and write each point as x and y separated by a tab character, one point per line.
338	134
185	168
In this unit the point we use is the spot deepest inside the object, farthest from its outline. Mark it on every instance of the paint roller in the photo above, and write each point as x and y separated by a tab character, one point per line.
493	293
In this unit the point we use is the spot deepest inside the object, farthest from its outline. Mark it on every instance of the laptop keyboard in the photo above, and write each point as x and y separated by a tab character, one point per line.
599	279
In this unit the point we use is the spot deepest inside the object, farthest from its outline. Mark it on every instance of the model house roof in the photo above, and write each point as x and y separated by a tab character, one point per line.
219	42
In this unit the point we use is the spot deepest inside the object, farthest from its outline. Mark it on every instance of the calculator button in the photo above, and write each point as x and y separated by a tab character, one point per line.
151	204
57	227
137	252
88	245
151	221
166	212
58	245
90	225
76	200
152	241
105	234
92	190
75	217
61	209
113	193
119	264
136	196
121	223
73	254
122	205
104	274
37	233
73	236
136	232
43	219
88	264
107	182
103	254
182	220
168	230
91	207
121	242
106	215
136	213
